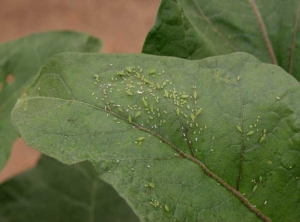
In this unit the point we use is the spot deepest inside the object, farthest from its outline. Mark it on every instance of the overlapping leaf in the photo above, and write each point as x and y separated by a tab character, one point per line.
196	29
209	140
20	61
55	192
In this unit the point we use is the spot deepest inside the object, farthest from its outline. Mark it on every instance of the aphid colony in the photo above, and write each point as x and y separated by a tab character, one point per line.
253	130
150	99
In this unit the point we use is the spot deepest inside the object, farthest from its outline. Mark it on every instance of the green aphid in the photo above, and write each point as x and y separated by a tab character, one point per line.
129	69
151	185
167	208
130	119
120	109
152	71
138	113
184	96
195	95
158	115
150	117
145	102
254	188
178	111
188	106
121	73
140	139
260	178
239	128
151	108
192	117
250	133
262	138
166	93
198	111
138	75
128	92
265	131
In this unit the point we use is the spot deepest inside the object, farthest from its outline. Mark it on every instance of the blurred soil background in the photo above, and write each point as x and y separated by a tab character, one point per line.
122	25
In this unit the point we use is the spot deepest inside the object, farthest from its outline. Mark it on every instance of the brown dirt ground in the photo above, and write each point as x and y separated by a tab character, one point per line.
122	25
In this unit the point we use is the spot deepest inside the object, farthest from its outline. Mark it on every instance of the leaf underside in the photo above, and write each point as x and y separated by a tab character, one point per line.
20	61
55	192
196	29
180	140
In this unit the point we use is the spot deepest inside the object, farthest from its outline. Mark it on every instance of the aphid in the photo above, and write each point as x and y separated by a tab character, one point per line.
145	102
239	128
152	71
198	111
250	133
128	92
150	117
151	185
265	131
278	97
195	95
130	119
254	188
178	111
140	139
121	73
184	96
129	69
138	113
262	138
192	117
260	178
151	108
166	93
120	109
167	208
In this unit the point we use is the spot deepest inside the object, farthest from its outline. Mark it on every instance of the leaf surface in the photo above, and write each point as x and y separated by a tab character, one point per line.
195	29
20	61
220	145
53	191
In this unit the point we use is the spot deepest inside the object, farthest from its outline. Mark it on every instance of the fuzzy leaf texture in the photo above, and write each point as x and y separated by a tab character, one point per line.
220	145
196	29
53	191
20	62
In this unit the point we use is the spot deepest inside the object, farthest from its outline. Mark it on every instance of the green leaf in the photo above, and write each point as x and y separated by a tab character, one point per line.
195	29
20	61
53	191
203	169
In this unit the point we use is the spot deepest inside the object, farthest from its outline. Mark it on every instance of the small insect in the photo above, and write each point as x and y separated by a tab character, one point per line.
128	92
138	113
152	71
178	111
262	138
239	128
250	133
195	95
130	119
151	185
184	96
121	73
167	208
145	102
198	111
254	188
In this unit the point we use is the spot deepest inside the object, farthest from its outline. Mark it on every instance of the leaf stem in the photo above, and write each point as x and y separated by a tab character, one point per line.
292	47
264	31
